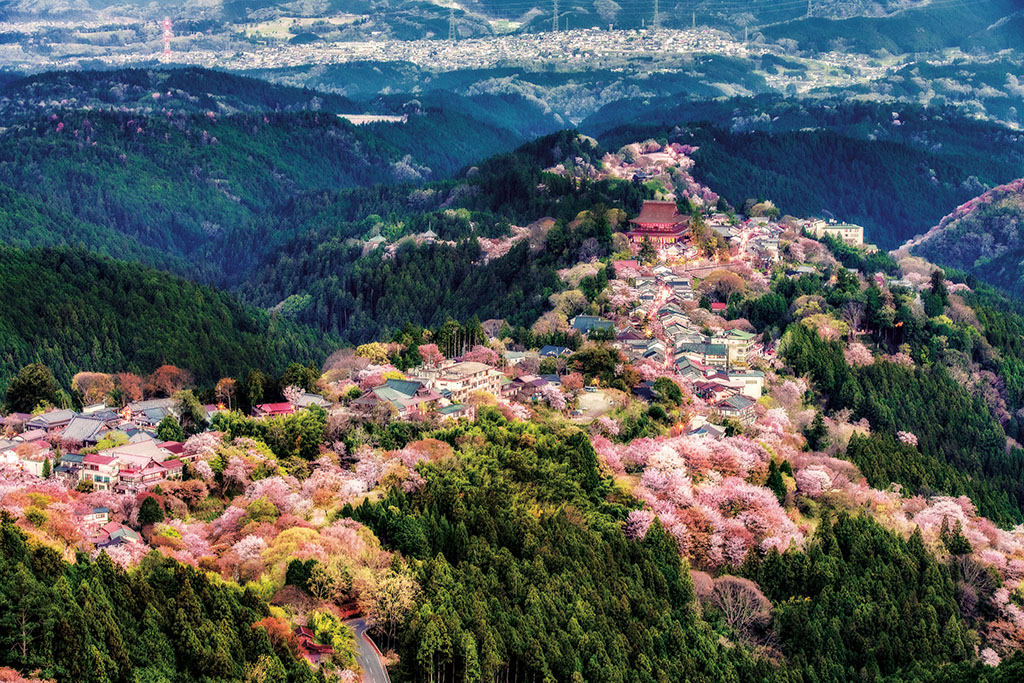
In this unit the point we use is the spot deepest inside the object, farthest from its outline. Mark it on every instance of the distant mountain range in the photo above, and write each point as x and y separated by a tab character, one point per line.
897	26
984	237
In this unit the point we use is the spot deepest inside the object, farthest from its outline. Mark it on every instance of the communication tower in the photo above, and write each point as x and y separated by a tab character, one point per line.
168	34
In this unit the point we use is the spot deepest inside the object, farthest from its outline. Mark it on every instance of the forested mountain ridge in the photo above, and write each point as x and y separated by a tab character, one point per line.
156	91
361	291
984	237
74	311
184	187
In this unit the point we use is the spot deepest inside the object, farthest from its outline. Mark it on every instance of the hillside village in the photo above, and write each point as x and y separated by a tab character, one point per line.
674	356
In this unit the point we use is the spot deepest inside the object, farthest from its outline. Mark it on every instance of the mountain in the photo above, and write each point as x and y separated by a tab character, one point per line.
194	180
74	311
984	237
896	169
572	92
923	27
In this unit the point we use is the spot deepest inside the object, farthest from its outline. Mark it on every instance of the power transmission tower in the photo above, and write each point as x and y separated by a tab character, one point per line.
694	25
657	16
554	18
451	25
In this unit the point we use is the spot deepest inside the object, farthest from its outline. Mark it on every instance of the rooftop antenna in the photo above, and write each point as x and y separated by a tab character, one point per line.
554	18
168	34
451	24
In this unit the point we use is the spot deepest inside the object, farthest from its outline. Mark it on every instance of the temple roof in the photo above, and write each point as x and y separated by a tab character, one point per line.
660	213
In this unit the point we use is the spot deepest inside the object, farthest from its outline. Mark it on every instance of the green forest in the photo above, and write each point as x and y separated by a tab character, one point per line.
74	311
160	621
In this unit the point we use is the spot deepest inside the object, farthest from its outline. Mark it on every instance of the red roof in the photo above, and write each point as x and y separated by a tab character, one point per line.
635	265
718	306
175	447
171	464
663	213
276	408
97	459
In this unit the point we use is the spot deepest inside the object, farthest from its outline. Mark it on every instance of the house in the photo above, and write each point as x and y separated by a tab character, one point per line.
800	271
715	355
457	410
69	468
307	399
176	449
740	344
173	468
314	653
514	358
101	470
84	430
554	351
139	454
719	307
406	396
265	410
34	460
524	386
713	391
31	436
52	420
459	381
115	533
738	407
629	333
585	324
98	516
708	431
135	479
14	422
150	412
138	434
750	382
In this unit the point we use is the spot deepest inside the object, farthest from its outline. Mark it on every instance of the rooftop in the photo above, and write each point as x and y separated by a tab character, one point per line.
659	213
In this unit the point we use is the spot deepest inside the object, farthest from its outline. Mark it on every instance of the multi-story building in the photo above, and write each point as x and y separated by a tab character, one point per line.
101	470
458	381
847	232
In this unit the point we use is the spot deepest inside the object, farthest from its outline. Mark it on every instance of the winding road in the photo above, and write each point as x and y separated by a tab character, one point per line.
368	655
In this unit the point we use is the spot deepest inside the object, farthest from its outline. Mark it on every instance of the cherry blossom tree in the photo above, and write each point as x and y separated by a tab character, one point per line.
553	396
907	437
637	524
858	355
292	394
430	354
481	354
813	481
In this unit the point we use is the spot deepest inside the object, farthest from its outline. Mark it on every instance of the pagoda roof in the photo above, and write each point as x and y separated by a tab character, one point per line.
660	213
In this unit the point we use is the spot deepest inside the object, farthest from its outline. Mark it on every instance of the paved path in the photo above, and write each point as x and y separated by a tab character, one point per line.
368	655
